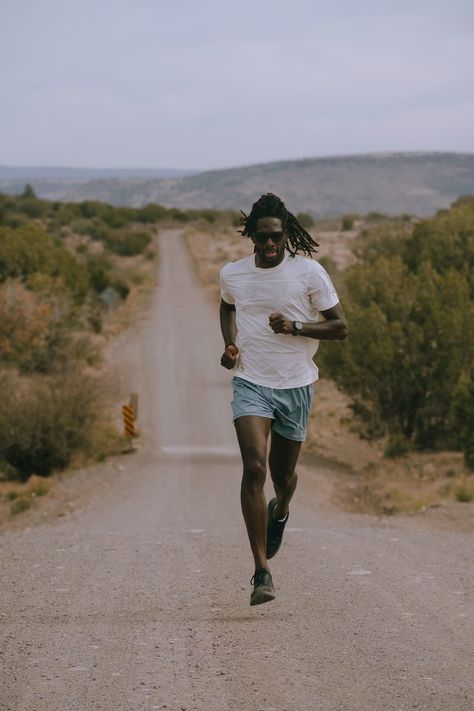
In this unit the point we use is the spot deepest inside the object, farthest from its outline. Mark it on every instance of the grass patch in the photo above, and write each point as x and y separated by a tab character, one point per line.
40	490
394	500
398	446
464	493
19	506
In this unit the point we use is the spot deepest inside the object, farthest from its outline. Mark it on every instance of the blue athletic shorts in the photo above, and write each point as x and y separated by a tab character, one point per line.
289	408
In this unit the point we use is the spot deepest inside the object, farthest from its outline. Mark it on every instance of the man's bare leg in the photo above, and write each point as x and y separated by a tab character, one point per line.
252	434
283	458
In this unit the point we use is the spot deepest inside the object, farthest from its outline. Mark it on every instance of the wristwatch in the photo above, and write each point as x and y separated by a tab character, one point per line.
297	328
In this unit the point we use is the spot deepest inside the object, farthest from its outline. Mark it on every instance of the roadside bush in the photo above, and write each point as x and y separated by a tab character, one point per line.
90	208
20	505
407	361
382	240
397	446
59	353
14	219
179	216
48	420
121	287
99	268
151	213
127	243
446	242
115	217
462	413
464	493
85	227
29	249
410	340
376	217
32	207
25	321
347	222
305	219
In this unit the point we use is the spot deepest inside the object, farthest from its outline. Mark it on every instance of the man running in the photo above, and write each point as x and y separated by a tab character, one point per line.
276	305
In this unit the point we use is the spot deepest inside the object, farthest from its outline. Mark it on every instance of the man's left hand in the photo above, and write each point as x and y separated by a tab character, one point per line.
280	324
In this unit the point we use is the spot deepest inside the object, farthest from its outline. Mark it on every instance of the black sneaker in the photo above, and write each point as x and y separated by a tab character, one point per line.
274	530
263	590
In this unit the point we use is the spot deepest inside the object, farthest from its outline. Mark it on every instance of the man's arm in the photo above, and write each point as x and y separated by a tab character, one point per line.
333	328
229	332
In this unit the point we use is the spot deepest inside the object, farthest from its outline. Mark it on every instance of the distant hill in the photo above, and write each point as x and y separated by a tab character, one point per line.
396	183
14	173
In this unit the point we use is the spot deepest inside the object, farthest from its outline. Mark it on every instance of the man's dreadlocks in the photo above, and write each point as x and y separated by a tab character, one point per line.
270	205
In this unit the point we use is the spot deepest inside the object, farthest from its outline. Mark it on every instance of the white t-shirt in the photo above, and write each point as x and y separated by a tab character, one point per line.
298	288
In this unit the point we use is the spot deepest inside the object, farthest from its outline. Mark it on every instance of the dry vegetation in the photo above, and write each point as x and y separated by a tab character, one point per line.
55	329
373	483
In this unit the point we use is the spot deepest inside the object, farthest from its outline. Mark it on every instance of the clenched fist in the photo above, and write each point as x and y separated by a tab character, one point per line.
280	324
229	357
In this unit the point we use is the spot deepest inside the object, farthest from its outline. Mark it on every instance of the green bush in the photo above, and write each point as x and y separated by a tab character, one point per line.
47	421
127	243
235	218
409	305
376	217
29	249
464	494
305	219
33	208
397	446
121	287
19	506
347	222
183	217
151	213
462	414
446	242
99	268
14	219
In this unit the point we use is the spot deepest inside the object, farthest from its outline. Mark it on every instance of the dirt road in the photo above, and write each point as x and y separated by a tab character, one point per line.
141	600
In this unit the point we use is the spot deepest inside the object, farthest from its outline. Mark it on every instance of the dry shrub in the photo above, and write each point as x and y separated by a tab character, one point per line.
24	319
46	421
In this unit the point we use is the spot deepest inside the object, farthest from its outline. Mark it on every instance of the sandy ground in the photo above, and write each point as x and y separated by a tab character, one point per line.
136	596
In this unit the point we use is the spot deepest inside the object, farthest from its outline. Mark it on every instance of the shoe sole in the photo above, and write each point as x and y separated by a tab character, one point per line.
261	595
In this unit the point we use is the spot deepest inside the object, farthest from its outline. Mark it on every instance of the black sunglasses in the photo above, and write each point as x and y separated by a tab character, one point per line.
263	237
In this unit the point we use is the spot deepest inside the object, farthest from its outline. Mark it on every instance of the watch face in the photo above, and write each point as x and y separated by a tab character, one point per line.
298	326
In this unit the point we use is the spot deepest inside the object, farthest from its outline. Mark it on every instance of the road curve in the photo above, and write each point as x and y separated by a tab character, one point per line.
141	600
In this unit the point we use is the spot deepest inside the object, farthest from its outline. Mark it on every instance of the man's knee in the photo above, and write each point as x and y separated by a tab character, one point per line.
284	477
254	474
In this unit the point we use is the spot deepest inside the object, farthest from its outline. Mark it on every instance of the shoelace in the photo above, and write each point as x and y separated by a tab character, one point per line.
258	577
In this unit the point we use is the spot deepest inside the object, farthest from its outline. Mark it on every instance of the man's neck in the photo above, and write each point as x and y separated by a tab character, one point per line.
261	264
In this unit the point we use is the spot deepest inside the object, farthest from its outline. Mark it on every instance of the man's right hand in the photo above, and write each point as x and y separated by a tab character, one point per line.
229	357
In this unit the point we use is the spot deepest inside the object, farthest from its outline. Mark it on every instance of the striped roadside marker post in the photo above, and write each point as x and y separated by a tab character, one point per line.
129	423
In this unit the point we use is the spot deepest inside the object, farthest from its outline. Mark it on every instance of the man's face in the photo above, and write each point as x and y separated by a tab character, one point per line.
269	241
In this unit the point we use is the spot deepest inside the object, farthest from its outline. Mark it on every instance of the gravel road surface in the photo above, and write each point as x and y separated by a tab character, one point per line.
140	600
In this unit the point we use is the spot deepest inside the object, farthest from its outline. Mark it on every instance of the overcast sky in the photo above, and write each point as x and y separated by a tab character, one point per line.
210	83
